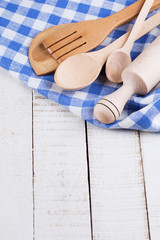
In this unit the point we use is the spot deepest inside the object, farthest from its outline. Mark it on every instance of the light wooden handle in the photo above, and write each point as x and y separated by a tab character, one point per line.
109	108
137	26
129	13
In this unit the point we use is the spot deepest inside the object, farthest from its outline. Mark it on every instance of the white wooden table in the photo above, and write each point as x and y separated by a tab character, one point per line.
64	179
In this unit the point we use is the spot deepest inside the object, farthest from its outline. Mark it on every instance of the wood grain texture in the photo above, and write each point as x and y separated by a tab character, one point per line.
151	163
61	184
16	208
117	191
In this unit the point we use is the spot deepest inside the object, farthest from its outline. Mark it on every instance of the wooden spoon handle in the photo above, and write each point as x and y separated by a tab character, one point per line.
137	26
129	13
103	54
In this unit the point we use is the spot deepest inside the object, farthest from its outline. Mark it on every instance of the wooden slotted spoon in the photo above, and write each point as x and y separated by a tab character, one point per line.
69	39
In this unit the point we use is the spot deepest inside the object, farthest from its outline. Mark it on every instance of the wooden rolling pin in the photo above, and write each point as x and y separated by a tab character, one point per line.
139	77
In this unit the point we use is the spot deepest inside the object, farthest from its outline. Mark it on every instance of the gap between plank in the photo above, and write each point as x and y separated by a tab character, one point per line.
33	165
144	184
89	184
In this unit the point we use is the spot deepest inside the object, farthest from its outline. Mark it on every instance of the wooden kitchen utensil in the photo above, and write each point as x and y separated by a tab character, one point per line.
139	77
41	60
120	58
83	36
81	70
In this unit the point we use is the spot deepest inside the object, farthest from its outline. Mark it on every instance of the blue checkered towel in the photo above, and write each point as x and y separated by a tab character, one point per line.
22	20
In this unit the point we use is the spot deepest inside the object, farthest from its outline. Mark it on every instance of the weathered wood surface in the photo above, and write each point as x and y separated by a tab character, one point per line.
81	182
150	144
117	190
16	204
61	183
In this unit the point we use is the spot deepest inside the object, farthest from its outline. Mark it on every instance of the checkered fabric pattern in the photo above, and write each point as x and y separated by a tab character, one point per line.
22	20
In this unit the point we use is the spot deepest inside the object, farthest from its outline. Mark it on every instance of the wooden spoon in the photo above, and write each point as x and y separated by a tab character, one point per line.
43	62
120	58
81	70
139	77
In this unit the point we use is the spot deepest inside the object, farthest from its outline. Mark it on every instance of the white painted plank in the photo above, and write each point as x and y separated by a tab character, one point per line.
150	143
117	190
16	204
61	185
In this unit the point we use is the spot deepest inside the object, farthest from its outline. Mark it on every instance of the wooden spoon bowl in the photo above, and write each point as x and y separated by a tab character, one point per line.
85	69
120	59
116	63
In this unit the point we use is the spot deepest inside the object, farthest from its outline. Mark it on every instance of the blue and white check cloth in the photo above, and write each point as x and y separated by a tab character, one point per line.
22	20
